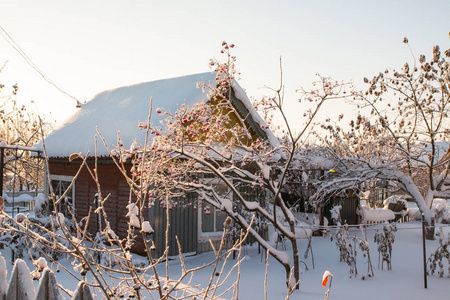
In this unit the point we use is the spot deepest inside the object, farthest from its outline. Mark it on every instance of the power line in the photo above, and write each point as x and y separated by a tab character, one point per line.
16	47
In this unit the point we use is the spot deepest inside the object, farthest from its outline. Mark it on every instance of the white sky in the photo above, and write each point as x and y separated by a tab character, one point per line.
86	47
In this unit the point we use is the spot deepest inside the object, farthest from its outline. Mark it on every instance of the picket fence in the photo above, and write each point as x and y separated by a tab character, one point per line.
21	286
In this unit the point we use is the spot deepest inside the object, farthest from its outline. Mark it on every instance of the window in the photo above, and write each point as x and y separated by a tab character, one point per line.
60	184
211	219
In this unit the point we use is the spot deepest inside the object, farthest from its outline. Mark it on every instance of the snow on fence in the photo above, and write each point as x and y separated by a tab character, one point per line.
401	220
395	210
21	285
23	200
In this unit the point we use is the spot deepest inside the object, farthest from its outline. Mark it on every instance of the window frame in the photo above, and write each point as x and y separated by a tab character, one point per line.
63	178
214	211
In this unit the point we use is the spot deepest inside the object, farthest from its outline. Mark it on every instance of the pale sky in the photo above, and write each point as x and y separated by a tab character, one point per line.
86	47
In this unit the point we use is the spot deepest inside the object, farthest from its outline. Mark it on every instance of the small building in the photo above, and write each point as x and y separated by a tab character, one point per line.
116	113
310	168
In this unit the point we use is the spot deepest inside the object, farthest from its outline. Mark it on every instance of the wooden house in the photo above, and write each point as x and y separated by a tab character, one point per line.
118	112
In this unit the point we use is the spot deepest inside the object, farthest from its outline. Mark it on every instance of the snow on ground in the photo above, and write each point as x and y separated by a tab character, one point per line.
404	281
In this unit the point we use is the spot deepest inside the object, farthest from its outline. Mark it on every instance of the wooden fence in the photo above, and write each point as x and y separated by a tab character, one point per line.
21	286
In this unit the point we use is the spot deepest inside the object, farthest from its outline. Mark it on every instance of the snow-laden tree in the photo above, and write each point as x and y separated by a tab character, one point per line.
400	136
21	129
210	149
105	258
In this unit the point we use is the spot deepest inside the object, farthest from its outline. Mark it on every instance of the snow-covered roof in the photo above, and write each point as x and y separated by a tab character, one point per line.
121	110
313	160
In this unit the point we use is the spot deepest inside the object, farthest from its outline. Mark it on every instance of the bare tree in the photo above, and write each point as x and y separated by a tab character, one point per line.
211	150
400	135
105	258
21	129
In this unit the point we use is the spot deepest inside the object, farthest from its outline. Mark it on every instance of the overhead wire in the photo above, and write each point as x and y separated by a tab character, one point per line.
16	47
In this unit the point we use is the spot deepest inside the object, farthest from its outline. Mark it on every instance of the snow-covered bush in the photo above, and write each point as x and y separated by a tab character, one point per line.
445	217
348	249
14	239
384	239
336	214
105	256
436	261
40	205
441	208
14	235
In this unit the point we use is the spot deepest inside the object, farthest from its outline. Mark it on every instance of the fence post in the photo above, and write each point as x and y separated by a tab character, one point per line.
48	288
82	292
21	285
424	252
3	282
2	153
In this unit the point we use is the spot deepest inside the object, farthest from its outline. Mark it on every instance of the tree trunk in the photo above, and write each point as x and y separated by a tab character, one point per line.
296	279
429	229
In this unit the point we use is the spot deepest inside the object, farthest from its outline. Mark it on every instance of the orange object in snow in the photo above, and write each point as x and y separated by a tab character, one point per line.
325	277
